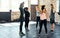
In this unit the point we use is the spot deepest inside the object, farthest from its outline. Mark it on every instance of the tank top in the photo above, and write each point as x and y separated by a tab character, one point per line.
43	16
52	14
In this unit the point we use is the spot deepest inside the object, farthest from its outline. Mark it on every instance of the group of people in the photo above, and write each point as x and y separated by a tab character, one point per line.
41	18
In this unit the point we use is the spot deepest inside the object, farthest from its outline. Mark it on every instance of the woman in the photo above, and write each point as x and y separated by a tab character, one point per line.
21	17
37	16
27	15
43	19
52	17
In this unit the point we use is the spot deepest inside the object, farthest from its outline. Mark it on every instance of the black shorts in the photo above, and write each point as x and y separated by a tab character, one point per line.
52	21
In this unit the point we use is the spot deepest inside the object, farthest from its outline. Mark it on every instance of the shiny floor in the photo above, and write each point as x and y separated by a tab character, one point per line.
11	30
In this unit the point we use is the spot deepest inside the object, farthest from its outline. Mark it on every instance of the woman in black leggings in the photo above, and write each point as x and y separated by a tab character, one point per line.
43	19
27	15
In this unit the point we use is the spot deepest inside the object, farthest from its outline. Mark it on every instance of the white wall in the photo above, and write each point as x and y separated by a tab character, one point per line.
6	5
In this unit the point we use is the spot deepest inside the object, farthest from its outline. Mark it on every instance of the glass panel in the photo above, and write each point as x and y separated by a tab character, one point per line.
4	5
34	2
57	4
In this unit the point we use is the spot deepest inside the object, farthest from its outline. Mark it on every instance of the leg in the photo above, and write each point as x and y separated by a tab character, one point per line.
45	25
36	22
21	24
27	22
52	25
41	22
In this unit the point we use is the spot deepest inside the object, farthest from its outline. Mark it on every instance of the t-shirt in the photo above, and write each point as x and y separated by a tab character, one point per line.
37	14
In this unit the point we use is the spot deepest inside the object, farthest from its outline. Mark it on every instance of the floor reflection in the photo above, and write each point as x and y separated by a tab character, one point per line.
13	32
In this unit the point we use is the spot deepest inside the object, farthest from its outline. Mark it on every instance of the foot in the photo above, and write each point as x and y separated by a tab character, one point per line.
21	33
38	34
46	34
52	31
27	29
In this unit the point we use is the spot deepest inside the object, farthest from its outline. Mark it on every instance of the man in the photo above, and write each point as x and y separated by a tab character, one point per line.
21	17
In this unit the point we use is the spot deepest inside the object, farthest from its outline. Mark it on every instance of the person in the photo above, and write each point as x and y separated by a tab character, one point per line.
27	15
52	17
37	16
43	19
21	17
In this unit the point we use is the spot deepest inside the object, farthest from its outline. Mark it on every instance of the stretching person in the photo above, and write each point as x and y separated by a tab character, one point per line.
52	17
27	15
37	16
21	17
43	19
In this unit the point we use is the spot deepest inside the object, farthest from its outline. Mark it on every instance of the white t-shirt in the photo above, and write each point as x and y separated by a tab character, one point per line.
37	14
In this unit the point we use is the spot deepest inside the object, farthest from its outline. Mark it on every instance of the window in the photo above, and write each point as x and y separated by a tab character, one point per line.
6	5
34	2
57	4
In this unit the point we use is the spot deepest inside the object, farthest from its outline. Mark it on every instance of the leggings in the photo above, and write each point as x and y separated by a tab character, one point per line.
45	25
37	20
26	22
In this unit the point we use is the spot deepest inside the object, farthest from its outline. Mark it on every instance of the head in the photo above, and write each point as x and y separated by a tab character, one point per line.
26	8
22	4
43	7
52	6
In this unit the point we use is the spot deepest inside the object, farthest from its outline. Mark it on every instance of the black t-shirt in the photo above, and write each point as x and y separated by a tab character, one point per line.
27	14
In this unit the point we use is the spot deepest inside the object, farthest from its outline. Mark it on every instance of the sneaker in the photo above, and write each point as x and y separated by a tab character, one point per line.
21	33
27	29
38	34
46	34
52	31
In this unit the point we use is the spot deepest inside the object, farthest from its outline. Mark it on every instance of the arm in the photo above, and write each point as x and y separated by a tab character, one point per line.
46	13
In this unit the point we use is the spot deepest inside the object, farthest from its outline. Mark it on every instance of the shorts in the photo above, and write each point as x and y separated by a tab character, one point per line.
52	21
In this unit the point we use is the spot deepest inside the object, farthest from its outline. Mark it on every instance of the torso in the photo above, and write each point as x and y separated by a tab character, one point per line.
43	15
52	14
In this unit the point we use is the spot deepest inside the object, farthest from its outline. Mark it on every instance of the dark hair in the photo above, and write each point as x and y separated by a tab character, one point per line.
26	8
51	4
42	7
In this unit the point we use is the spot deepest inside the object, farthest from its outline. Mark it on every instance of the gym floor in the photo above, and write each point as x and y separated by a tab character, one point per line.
11	30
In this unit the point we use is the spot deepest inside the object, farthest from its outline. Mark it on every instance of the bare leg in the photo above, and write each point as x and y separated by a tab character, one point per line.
52	26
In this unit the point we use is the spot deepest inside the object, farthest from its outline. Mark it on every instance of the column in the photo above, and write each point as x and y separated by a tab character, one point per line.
29	6
59	12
